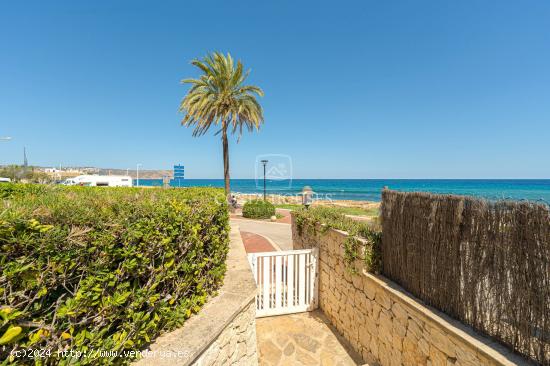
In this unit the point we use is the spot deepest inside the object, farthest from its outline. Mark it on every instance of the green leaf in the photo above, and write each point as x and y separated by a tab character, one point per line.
10	335
169	263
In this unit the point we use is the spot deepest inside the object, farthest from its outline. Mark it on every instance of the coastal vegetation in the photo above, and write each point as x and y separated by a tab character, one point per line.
90	269
220	98
355	211
321	219
24	173
258	209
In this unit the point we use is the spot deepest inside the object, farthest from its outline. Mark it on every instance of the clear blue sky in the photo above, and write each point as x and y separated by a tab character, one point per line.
363	89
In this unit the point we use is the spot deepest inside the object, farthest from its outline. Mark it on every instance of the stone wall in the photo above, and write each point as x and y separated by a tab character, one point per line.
224	330
382	322
236	345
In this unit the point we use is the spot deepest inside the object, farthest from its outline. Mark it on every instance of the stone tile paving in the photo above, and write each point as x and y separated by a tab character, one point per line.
301	339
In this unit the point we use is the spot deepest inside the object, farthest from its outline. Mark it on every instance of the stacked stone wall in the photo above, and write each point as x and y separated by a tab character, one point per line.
382	322
236	345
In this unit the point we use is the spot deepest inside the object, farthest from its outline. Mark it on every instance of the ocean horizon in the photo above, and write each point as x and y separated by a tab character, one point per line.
537	190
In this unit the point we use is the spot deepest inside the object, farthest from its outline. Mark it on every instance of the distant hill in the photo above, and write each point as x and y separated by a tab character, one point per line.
76	170
145	174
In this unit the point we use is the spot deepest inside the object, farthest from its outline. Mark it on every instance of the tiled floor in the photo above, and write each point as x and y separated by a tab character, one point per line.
301	339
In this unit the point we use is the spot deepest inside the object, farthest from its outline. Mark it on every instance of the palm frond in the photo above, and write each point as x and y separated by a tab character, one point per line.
220	97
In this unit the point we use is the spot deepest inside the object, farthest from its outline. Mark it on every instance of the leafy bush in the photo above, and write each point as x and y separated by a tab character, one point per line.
8	190
104	269
325	218
258	209
346	210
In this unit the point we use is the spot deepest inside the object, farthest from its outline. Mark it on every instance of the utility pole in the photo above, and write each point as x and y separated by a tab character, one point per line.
137	174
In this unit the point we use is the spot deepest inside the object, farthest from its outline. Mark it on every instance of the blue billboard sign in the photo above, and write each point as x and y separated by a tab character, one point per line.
179	172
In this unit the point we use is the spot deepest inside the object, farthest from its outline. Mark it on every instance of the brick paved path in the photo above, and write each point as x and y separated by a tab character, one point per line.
254	243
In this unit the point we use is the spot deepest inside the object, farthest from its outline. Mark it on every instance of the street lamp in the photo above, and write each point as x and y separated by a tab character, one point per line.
264	162
307	196
137	173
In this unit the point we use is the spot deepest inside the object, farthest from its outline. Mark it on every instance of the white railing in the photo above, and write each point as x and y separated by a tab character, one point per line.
287	281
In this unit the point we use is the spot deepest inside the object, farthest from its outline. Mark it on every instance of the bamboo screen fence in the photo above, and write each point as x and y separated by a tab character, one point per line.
484	263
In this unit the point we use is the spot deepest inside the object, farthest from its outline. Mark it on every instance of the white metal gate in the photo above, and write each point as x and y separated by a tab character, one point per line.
287	281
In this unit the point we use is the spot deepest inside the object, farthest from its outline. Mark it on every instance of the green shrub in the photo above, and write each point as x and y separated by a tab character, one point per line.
9	190
104	269
325	218
258	209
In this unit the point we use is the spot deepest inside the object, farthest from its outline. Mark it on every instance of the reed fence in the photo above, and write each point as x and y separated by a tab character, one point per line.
484	263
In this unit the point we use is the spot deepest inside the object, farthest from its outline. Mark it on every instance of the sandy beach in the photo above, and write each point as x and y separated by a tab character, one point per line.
278	199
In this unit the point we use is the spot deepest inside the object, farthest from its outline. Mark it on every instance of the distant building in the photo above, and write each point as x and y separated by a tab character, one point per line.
59	173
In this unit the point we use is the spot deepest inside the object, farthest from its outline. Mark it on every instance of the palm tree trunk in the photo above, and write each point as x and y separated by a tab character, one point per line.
225	144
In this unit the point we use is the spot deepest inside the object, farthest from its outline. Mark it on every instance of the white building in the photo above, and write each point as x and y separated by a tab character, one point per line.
100	181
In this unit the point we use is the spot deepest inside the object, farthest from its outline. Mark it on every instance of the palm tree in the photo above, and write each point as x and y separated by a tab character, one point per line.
219	97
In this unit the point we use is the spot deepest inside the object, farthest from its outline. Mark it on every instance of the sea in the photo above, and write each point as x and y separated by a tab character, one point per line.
537	190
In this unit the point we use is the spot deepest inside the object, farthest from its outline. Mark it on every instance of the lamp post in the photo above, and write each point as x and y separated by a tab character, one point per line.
137	173
307	196
264	162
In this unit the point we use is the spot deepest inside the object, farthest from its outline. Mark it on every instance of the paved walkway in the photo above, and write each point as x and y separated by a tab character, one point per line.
279	233
254	243
296	339
286	216
301	339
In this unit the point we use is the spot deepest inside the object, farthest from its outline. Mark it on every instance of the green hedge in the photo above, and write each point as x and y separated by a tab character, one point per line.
324	218
9	190
258	209
104	269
